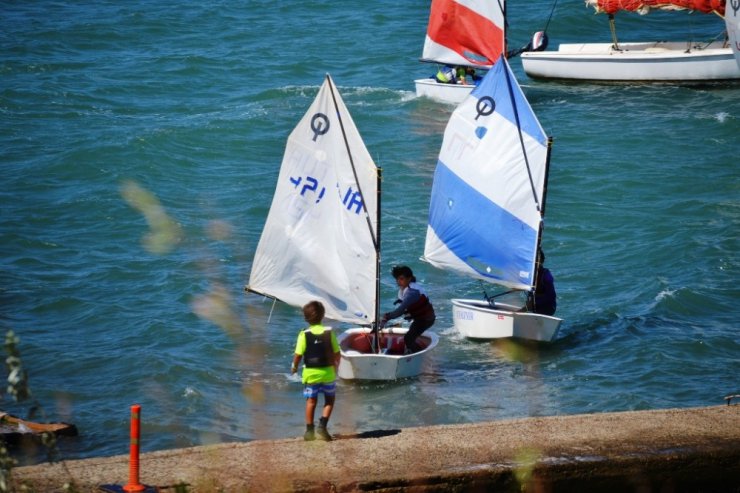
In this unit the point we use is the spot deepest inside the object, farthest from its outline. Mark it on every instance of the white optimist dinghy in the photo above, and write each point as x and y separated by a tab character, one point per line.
461	33
321	240
488	203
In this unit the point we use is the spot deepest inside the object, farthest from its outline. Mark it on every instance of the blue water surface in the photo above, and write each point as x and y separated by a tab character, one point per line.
141	143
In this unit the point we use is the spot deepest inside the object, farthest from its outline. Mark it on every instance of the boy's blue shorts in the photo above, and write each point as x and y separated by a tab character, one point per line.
329	389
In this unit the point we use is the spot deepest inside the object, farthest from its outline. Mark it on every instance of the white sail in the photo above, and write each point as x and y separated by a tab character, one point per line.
488	194
319	240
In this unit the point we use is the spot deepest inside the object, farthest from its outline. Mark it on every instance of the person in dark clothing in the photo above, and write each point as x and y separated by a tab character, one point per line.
544	300
414	304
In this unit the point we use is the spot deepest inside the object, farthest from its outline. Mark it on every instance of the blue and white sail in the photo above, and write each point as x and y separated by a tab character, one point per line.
487	200
320	240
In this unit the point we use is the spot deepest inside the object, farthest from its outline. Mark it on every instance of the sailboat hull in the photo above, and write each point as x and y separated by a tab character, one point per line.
634	62
475	319
445	93
359	363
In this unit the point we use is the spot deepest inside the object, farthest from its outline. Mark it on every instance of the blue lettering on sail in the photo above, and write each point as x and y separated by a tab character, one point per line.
352	199
311	185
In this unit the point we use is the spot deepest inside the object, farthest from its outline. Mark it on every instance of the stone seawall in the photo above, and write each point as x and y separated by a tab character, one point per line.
673	450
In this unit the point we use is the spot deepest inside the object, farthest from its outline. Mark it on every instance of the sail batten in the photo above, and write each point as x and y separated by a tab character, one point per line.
319	239
488	191
645	6
465	32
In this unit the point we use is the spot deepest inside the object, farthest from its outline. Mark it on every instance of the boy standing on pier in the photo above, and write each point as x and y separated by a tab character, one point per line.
318	347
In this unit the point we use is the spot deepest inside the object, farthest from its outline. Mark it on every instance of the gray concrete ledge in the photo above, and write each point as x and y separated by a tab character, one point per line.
674	450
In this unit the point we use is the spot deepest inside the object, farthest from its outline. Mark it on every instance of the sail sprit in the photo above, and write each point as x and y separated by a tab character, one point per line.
521	140
376	243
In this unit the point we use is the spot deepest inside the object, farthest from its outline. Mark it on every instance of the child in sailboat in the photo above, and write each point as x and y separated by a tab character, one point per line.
446	75
414	304
456	75
545	297
318	347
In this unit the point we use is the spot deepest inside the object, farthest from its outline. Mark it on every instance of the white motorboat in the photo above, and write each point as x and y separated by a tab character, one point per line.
643	62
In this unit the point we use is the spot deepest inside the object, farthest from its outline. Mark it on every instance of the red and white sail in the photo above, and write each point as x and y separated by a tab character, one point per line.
465	32
645	6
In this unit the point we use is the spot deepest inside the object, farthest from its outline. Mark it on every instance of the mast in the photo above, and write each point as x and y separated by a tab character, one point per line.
376	326
539	201
521	140
375	236
542	216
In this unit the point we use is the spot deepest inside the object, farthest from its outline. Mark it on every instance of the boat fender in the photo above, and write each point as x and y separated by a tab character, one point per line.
539	41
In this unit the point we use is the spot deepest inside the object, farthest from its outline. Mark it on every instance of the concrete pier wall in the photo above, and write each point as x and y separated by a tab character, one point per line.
674	450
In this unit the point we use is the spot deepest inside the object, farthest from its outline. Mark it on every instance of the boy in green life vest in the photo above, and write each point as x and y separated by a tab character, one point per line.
318	347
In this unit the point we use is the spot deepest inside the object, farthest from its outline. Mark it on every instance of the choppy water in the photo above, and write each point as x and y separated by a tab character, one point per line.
106	105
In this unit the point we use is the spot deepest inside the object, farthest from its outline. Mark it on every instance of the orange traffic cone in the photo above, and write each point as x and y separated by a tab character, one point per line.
133	484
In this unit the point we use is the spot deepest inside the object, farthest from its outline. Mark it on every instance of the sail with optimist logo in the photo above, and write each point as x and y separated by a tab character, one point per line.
491	171
487	205
320	239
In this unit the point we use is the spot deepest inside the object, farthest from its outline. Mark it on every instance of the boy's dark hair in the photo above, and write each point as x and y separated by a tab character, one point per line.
313	312
401	270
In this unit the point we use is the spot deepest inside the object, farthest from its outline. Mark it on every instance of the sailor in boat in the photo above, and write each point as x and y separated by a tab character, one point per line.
457	75
468	76
446	75
414	304
544	300
318	347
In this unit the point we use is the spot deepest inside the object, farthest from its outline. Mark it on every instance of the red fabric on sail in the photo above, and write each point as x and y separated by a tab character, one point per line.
467	33
614	6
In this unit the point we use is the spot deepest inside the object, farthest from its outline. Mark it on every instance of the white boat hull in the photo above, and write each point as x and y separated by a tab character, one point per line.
475	319
634	62
359	363
445	93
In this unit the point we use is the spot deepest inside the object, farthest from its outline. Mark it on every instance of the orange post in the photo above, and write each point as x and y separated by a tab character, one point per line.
133	467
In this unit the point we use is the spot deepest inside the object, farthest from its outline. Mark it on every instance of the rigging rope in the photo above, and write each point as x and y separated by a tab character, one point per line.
552	11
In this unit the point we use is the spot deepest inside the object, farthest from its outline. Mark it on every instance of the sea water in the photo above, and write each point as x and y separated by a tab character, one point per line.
141	143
